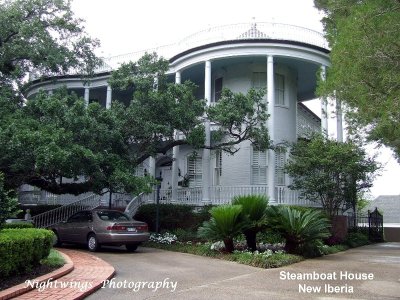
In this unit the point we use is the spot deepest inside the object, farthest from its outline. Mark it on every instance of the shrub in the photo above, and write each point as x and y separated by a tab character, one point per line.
226	223
301	229
356	239
172	216
19	225
22	249
253	209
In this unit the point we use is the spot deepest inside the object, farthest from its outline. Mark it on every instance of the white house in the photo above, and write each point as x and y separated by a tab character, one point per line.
283	58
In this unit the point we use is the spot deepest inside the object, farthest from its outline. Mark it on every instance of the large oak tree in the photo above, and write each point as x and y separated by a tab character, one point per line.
54	137
365	73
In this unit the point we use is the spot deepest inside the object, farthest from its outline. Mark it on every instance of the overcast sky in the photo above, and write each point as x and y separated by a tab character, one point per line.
125	26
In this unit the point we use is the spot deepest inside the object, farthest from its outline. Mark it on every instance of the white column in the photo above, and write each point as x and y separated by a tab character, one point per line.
324	107
152	166
108	98
86	95
271	127
50	92
175	156
206	152
339	121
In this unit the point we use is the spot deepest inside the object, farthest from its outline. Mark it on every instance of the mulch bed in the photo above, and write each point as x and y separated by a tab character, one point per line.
6	283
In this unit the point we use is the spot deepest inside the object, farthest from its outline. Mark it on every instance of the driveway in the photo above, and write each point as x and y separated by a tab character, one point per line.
369	272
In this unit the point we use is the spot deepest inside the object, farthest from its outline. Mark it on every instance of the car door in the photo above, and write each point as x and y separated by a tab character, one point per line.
66	230
83	227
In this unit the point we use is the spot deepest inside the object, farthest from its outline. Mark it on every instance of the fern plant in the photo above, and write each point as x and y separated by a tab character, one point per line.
302	230
253	209
225	224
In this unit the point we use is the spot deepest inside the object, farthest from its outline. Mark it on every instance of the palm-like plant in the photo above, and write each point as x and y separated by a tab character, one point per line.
299	228
253	209
226	223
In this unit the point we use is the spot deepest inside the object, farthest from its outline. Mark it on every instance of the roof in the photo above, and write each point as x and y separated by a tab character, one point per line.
389	205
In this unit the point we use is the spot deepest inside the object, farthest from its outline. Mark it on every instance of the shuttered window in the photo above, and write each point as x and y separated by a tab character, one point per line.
195	171
280	160
218	167
279	89
259	80
139	170
259	164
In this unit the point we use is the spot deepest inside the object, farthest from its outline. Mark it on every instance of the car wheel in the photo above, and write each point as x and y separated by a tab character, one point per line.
56	239
131	247
93	243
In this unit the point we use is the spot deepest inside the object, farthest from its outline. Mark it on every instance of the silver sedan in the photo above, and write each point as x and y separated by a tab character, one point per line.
101	227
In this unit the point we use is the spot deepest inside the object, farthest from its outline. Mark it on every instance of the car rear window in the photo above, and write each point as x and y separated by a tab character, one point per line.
112	216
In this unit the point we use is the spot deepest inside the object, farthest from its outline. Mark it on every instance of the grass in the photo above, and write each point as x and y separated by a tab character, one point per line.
54	260
260	260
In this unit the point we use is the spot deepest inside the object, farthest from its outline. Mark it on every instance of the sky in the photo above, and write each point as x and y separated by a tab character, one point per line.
125	26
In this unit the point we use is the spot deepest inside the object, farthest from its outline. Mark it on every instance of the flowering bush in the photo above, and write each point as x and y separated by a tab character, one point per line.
163	238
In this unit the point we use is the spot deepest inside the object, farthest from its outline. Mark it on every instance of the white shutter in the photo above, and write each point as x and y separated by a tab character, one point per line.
279	89
259	164
195	171
280	160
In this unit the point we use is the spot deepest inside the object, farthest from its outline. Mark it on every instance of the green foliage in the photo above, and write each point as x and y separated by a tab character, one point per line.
275	260
19	225
356	239
8	204
329	172
253	210
326	250
226	222
301	229
364	71
22	249
42	35
240	117
172	216
54	259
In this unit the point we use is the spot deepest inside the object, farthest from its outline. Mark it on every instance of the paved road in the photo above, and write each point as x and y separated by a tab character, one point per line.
205	278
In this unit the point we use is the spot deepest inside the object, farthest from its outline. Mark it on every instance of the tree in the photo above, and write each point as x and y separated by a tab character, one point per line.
302	229
328	172
365	73
254	209
42	36
227	222
55	136
8	204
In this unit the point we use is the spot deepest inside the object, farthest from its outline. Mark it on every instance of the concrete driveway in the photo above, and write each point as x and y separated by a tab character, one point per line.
369	272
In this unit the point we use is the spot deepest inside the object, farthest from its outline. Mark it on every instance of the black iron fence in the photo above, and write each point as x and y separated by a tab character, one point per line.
370	223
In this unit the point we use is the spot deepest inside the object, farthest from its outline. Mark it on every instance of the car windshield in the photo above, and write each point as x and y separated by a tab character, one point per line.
112	216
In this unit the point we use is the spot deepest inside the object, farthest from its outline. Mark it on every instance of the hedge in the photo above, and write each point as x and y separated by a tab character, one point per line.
22	249
172	216
17	225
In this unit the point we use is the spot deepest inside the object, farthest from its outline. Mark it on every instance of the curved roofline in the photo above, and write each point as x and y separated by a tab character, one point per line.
250	41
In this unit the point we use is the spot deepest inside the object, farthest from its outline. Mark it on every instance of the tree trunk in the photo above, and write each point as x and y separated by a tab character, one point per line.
229	245
251	240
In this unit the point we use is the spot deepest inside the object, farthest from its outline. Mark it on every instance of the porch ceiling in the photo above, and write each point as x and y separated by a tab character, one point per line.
307	72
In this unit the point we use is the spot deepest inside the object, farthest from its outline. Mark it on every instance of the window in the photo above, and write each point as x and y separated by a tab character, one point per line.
195	171
279	89
280	160
217	89
259	164
259	80
218	167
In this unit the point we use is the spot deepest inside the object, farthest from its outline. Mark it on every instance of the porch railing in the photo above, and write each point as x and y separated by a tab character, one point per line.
60	214
224	194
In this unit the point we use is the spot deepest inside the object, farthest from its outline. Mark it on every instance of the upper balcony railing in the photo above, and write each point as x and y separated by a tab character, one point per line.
240	31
